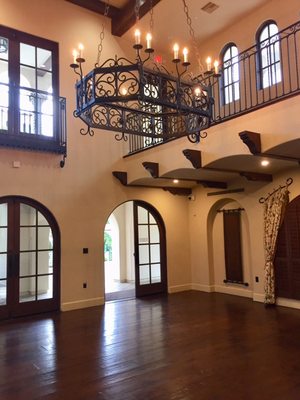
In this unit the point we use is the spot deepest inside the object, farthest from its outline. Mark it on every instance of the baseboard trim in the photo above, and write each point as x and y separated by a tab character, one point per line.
236	291
203	288
291	303
259	297
78	304
179	288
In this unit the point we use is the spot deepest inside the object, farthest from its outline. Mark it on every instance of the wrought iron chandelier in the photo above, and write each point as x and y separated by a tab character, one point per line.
141	97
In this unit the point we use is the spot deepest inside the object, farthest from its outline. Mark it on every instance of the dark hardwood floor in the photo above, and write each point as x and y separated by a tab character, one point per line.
182	347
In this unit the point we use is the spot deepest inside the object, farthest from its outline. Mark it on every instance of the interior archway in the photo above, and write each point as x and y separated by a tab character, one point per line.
216	249
138	252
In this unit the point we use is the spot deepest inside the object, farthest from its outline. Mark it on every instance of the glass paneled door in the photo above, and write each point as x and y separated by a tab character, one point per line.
150	250
29	258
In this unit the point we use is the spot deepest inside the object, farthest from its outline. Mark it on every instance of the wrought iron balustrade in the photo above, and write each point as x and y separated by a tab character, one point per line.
33	126
252	95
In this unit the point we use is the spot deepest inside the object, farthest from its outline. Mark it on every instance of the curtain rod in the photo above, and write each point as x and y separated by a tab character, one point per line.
288	182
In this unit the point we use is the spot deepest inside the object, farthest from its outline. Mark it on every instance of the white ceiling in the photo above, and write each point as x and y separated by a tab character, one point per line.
170	21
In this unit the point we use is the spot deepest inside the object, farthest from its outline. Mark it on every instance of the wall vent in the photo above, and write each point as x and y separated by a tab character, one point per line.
210	7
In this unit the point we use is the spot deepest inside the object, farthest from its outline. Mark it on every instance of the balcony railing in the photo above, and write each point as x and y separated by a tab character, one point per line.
255	88
41	122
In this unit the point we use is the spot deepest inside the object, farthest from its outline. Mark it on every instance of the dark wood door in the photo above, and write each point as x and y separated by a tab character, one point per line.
29	258
287	259
150	251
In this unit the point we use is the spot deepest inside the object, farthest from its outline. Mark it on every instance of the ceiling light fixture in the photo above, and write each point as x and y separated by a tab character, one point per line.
265	163
175	181
141	97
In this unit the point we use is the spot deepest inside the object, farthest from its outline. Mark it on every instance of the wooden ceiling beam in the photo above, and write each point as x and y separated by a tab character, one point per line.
97	6
127	18
122	19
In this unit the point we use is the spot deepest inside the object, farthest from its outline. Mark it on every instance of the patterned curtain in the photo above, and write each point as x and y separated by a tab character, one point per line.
274	208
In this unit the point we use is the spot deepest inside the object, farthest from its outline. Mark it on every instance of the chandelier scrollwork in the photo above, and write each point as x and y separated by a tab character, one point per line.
142	98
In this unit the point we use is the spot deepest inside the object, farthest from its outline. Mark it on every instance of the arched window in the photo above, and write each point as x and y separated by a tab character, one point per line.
269	55
231	77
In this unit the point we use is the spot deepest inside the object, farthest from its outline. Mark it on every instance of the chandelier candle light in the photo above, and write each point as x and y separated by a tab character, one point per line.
141	97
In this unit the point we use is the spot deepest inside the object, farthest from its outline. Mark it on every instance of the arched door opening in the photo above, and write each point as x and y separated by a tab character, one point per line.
29	258
135	252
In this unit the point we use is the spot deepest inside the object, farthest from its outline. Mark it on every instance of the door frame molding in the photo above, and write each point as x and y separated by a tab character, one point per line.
163	241
40	307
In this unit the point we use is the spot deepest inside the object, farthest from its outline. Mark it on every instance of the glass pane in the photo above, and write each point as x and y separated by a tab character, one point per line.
45	104
27	290
27	77
144	254
45	262
4	96
155	253
3	107
2	293
3	214
143	234
41	219
154	234
45	81
155	273
27	54
27	263
45	287
142	215
144	275
46	125
151	219
27	215
4	48
44	59
45	239
27	100
3	240
3	266
27	239
3	71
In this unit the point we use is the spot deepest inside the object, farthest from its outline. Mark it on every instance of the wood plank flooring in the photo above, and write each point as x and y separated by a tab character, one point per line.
185	346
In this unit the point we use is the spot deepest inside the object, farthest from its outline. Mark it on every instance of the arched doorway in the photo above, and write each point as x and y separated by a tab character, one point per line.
287	259
142	250
29	258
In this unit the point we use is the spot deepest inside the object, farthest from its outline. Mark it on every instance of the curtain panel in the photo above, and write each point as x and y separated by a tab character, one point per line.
274	209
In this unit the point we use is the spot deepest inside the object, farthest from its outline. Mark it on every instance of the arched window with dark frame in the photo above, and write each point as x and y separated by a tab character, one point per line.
268	45
230	85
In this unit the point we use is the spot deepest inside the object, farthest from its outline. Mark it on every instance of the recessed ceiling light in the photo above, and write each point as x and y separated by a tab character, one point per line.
175	181
264	163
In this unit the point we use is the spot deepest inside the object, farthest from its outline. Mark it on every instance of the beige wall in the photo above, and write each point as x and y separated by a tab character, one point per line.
82	194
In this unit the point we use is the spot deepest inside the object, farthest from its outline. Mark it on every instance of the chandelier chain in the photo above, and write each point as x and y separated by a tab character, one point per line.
192	33
102	35
137	10
151	16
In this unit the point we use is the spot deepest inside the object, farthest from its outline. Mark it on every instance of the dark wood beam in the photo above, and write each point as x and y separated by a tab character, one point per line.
194	156
256	177
98	7
239	190
127	18
152	168
121	176
252	141
213	184
178	191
